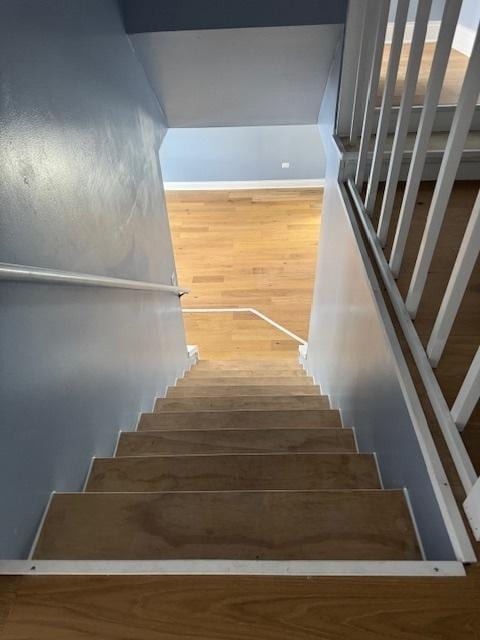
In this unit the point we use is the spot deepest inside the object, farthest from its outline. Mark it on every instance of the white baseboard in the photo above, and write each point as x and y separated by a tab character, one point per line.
221	185
463	40
433	29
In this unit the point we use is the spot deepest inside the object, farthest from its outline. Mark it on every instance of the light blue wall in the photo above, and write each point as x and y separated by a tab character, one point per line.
470	14
80	189
242	153
435	13
239	77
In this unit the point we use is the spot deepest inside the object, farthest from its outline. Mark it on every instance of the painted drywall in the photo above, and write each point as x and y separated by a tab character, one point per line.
81	190
470	14
435	12
242	153
141	16
239	77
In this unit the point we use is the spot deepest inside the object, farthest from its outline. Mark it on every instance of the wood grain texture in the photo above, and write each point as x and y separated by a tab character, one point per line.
452	84
235	440
264	253
286	525
246	381
216	391
245	608
235	472
240	419
239	403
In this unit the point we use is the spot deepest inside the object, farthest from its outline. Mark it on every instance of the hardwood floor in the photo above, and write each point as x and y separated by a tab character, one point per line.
457	65
246	249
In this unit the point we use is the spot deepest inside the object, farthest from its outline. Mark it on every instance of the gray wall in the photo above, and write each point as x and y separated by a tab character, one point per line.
235	77
80	189
470	14
242	153
435	12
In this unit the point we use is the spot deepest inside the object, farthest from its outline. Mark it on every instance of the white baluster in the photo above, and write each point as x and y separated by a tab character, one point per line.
381	27
432	96
385	110
457	284
446	176
408	96
468	395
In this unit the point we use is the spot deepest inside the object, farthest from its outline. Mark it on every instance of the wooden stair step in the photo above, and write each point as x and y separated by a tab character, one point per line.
238	391
195	374
246	419
247	381
232	365
235	472
144	443
266	525
241	403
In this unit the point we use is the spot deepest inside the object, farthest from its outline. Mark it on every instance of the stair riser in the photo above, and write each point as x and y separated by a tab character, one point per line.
244	472
328	418
238	441
193	374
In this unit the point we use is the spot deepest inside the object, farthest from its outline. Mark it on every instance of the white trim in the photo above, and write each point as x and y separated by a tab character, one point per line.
448	506
233	185
472	509
433	29
464	39
235	567
260	315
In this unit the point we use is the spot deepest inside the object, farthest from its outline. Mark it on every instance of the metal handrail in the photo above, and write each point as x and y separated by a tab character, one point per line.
23	273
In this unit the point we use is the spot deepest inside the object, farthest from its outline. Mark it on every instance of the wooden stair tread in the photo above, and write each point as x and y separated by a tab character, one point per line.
235	440
269	525
266	365
236	403
216	391
235	472
240	419
194	374
247	381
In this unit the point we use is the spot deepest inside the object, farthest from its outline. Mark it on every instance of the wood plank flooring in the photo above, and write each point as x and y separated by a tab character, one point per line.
452	84
246	249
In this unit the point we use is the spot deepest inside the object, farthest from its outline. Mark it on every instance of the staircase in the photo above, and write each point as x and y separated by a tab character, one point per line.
240	461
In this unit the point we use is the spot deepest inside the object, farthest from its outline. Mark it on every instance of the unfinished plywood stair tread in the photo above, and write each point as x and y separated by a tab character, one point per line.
239	403
248	381
267	525
241	461
237	391
235	441
235	472
240	419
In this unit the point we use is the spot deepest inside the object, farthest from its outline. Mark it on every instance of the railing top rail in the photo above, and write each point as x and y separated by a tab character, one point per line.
23	273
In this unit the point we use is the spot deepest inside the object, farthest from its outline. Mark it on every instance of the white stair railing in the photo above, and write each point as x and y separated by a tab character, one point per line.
362	60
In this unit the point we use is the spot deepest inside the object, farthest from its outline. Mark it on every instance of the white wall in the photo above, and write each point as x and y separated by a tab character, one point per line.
242	153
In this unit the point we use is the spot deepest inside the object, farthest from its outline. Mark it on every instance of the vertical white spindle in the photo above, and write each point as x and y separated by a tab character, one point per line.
351	48
411	77
457	284
446	176
381	27
364	59
385	110
432	96
468	395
